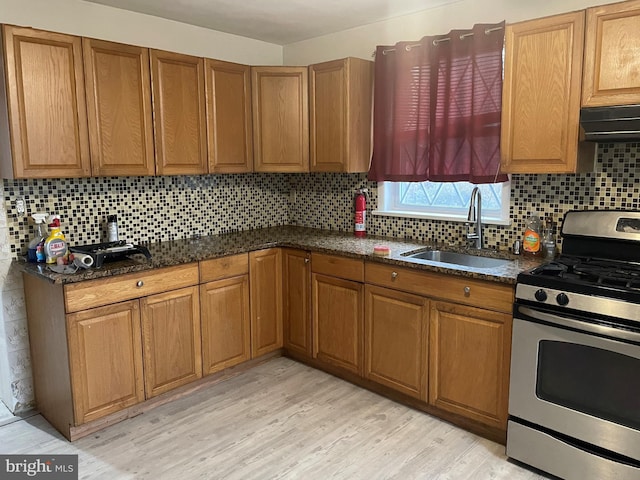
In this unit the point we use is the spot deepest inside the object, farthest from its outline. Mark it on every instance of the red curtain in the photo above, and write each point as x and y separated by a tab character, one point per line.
437	107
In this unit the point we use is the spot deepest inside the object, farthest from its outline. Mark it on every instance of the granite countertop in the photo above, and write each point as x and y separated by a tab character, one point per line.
177	252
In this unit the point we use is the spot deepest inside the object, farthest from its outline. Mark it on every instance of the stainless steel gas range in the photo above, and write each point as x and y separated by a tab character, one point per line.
574	401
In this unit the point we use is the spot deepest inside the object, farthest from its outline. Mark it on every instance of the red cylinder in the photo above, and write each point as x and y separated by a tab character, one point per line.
360	222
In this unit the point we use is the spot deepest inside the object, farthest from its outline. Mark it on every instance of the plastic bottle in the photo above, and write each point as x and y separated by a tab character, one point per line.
531	240
55	246
35	251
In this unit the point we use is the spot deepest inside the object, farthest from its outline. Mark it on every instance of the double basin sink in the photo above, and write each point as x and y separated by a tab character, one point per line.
455	258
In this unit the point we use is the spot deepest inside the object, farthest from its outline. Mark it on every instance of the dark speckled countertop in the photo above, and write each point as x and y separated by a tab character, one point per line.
178	252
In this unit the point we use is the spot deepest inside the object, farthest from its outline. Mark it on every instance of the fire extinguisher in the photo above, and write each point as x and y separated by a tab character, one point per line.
360	221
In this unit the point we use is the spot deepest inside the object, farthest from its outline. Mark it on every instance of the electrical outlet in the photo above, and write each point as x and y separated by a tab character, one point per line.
20	206
292	196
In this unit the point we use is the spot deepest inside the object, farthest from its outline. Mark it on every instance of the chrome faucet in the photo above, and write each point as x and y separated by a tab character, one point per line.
475	216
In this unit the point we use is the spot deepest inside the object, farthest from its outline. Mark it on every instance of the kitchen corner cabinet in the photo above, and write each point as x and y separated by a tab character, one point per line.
171	340
297	301
43	124
118	94
229	127
225	314
469	362
612	55
265	274
178	92
337	299
280	119
340	115
396	340
541	97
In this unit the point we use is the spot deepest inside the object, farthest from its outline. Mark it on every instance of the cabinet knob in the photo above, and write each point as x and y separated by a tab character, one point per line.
306	260
467	291
139	283
394	275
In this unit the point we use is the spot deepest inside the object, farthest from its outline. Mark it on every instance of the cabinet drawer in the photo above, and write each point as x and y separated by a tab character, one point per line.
225	267
480	293
348	268
104	291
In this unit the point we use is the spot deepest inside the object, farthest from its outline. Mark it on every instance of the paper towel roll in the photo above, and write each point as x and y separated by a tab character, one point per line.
82	260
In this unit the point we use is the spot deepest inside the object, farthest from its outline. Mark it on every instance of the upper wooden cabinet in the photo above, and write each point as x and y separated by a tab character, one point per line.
45	102
340	114
280	119
119	108
177	83
612	55
229	128
541	95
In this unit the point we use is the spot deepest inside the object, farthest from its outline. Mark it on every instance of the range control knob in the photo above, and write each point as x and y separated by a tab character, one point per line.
562	299
541	295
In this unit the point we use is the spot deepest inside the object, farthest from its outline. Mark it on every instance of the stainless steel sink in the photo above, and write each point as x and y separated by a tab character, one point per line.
462	259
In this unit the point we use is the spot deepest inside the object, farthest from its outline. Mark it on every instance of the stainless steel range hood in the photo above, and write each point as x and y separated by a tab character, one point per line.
611	124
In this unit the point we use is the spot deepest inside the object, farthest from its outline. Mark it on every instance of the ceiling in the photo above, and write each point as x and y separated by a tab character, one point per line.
278	21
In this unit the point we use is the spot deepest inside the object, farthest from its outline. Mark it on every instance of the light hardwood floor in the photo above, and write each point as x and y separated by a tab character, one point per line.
280	419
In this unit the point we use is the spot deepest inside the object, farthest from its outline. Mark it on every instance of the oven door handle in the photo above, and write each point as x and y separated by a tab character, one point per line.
598	329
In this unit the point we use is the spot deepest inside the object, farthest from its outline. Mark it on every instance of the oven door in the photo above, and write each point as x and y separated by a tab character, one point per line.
578	378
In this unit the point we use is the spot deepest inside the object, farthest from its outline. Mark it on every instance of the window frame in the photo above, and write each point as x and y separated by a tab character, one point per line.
388	205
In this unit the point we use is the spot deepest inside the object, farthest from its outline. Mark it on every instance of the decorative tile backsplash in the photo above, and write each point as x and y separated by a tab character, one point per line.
162	208
149	208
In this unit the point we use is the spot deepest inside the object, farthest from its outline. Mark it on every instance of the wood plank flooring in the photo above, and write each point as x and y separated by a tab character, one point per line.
279	420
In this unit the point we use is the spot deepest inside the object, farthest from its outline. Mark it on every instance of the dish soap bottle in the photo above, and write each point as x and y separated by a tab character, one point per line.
35	251
531	244
55	246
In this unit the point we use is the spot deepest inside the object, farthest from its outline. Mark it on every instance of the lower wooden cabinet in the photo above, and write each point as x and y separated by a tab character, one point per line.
171	337
265	274
396	340
297	301
470	350
226	323
337	322
105	359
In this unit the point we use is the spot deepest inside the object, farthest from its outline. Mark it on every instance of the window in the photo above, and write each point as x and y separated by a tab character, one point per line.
443	200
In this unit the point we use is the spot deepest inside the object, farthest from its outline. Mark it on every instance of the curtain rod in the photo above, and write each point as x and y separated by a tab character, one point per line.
408	48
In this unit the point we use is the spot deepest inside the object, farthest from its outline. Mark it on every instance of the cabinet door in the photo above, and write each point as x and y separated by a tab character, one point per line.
337	322
469	357
118	85
541	95
340	115
105	353
46	102
612	59
280	119
171	334
226	323
297	301
396	327
177	83
265	270
229	117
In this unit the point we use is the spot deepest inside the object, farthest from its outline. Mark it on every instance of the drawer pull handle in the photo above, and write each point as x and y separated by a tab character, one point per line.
467	291
140	283
394	275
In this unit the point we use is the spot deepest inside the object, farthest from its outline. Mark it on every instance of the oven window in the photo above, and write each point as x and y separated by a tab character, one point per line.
594	381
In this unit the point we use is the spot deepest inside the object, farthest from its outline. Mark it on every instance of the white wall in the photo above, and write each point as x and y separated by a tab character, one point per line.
108	23
362	41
